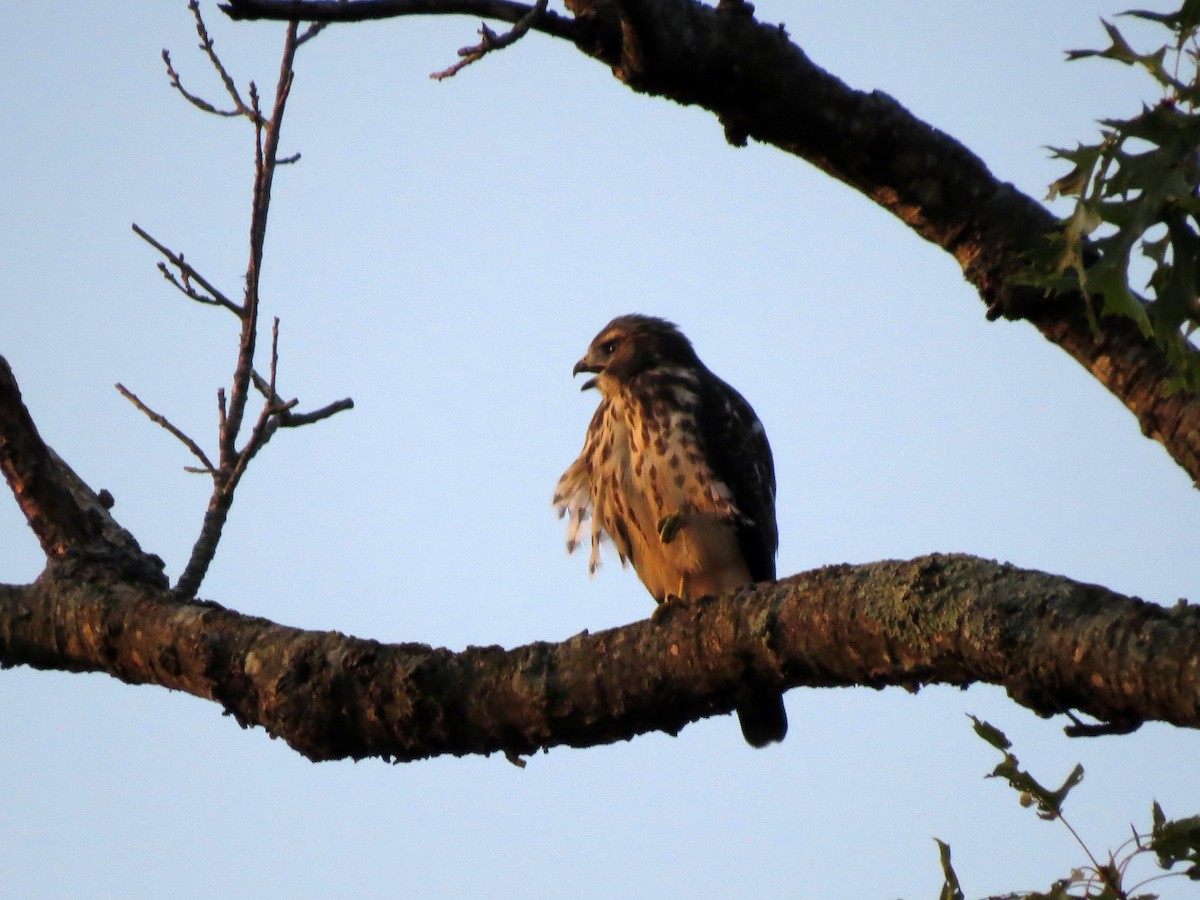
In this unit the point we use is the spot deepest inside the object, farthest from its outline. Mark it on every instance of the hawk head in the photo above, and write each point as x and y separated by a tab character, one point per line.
630	345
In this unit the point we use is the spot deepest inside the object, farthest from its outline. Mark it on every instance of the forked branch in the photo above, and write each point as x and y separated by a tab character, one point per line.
206	44
232	459
187	275
491	41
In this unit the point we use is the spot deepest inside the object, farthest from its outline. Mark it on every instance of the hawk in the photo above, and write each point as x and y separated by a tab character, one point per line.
676	471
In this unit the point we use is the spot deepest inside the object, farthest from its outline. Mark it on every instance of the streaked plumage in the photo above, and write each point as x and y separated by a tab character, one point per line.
676	471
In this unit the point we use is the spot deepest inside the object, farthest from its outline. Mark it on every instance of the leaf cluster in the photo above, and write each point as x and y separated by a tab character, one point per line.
1138	188
1171	841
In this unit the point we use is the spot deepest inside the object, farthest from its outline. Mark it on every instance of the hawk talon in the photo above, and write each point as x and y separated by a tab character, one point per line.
667	606
669	525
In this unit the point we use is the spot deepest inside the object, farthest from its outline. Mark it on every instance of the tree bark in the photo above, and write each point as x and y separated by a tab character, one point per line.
760	85
1053	643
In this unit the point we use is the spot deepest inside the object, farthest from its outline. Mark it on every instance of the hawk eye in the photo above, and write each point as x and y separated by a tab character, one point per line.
609	347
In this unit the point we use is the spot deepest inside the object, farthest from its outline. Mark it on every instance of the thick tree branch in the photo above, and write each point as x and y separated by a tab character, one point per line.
762	86
1053	643
69	518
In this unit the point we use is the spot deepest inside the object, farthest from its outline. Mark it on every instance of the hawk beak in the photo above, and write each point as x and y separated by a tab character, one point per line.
584	366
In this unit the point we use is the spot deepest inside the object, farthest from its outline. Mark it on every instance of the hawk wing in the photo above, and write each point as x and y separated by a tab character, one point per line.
740	456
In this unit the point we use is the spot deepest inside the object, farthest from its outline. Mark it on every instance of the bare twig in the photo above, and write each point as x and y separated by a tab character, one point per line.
491	41
1079	728
311	32
231	407
264	427
194	99
206	44
159	419
289	419
232	460
189	274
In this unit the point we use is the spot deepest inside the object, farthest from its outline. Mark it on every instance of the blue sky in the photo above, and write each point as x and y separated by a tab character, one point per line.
443	253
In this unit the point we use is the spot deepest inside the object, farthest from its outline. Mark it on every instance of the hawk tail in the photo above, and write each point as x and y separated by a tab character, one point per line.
762	717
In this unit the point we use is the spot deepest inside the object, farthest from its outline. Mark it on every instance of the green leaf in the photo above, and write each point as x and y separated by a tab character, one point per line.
1073	184
1067	786
1184	19
1171	20
1143	174
1175	841
951	889
991	734
1118	48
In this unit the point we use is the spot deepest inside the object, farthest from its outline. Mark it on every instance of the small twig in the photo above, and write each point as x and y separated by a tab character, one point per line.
206	44
289	419
295	420
1079	728
491	41
189	274
263	429
311	32
159	419
195	100
274	353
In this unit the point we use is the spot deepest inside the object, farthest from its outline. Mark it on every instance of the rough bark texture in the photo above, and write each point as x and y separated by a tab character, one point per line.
69	519
760	85
1054	644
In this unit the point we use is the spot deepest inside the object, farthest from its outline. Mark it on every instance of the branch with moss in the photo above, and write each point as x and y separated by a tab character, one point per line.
1053	643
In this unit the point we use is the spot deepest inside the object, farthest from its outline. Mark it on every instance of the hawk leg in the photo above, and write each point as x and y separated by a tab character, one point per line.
669	525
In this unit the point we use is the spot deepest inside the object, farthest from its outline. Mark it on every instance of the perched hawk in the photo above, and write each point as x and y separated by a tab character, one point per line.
677	472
